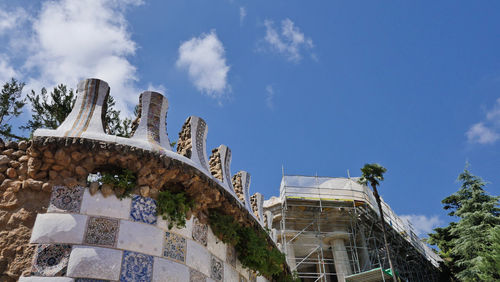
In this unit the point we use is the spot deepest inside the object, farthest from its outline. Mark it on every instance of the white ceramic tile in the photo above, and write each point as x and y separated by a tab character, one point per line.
95	262
45	279
216	246
110	206
198	257
185	231
140	237
169	271
59	228
230	274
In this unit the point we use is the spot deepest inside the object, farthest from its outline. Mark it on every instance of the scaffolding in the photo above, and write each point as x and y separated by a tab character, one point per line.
329	229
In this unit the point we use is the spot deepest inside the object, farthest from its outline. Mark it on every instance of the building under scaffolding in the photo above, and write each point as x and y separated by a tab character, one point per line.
329	229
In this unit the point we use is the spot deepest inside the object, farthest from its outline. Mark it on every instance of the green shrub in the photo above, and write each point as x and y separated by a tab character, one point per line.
174	207
251	246
123	180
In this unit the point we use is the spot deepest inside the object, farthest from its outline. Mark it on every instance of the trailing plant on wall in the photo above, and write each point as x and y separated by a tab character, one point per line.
251	246
174	207
122	181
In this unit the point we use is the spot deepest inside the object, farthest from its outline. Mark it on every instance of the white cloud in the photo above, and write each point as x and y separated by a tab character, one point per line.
290	42
487	131
10	19
6	70
479	133
204	59
423	224
243	14
67	41
270	96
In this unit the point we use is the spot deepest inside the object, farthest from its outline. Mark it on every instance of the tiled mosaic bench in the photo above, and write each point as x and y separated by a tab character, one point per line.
92	238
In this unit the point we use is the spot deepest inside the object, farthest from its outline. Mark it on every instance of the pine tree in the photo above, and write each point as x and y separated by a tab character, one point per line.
11	106
463	243
489	266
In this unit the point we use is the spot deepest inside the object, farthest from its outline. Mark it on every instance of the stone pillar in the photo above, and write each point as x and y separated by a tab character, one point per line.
364	257
290	256
340	256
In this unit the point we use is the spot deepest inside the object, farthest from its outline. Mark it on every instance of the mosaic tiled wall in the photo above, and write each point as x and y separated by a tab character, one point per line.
92	238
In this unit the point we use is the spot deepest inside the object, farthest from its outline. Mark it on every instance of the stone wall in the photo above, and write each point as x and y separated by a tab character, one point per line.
21	199
85	231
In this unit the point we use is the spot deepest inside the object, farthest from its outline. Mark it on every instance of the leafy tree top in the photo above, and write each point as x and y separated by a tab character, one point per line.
11	105
372	173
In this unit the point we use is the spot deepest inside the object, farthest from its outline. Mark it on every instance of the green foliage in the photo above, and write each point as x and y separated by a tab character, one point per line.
251	246
123	180
489	265
225	228
113	124
49	110
174	207
463	244
372	173
11	106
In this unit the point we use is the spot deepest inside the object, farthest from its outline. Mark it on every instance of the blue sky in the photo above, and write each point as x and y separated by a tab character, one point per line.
319	88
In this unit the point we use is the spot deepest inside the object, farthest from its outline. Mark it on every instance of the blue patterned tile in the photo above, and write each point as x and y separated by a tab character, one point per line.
143	209
136	267
65	199
51	260
175	247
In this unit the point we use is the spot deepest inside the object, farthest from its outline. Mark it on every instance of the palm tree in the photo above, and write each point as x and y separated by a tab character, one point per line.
373	173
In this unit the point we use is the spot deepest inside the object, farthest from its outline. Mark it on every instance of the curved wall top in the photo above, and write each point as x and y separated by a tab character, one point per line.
86	120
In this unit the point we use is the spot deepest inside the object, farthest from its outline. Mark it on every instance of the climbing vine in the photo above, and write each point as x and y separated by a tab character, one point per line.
251	246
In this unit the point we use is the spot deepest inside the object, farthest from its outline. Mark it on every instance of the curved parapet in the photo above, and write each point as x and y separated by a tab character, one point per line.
194	134
95	234
257	202
220	166
241	184
151	133
86	118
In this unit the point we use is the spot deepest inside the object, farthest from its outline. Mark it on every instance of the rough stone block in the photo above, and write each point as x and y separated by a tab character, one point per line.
110	206
95	262
139	237
66	199
136	267
198	257
59	228
169	271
